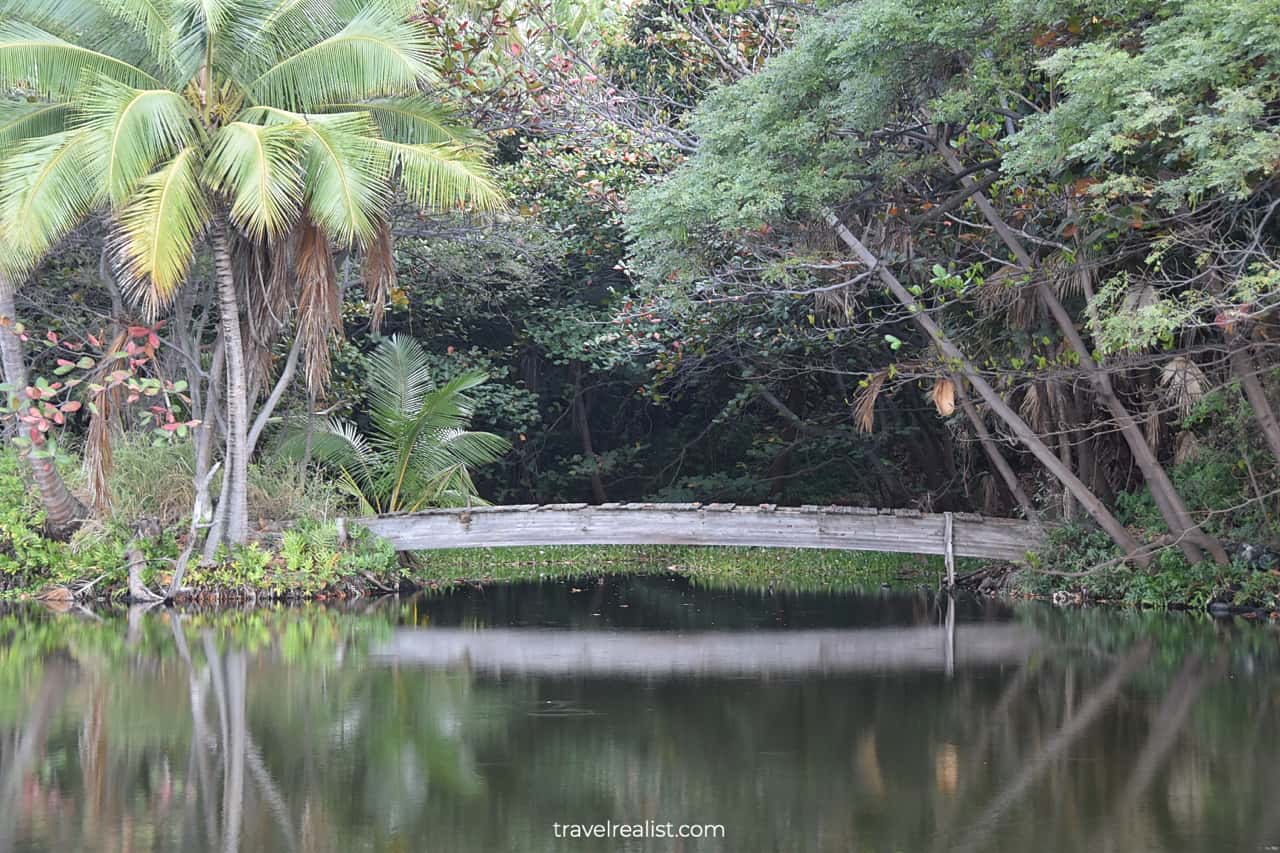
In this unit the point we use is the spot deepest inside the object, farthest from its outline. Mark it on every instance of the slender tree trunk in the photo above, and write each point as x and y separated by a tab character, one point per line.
992	450
62	511
583	423
277	393
202	510
1190	537
1246	371
235	494
1016	424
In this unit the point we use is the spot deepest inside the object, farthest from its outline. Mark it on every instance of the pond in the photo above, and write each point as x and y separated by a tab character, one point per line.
524	717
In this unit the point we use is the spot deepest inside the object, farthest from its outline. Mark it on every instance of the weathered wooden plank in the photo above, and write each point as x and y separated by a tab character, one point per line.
684	524
656	654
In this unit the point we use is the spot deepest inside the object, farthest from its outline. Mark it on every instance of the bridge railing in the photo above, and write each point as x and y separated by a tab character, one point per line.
835	527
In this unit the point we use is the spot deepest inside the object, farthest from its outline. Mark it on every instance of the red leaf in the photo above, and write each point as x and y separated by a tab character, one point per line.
71	406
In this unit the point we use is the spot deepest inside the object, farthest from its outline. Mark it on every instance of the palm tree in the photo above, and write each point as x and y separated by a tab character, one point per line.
243	125
419	451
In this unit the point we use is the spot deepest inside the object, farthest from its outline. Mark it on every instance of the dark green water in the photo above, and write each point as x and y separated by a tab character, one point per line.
480	719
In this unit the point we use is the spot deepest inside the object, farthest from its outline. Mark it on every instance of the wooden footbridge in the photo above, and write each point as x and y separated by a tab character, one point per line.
837	527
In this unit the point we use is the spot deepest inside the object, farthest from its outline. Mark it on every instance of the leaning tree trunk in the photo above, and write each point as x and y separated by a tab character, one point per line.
1246	371
232	519
62	511
1088	501
1191	538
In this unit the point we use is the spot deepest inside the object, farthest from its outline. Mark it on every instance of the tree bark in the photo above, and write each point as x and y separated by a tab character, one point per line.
1246	371
235	523
1088	501
1189	535
63	512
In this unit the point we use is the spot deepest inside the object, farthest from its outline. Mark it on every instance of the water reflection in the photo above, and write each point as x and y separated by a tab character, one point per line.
318	730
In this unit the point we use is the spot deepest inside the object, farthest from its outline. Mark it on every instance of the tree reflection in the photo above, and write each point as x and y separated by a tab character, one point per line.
274	731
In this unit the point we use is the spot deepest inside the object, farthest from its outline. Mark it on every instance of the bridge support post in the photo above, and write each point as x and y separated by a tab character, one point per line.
949	548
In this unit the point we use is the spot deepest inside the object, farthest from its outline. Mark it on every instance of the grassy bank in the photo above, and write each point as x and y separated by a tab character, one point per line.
1079	565
780	568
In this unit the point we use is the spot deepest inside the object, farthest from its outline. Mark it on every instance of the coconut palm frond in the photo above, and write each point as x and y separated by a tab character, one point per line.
1151	426
346	177
45	190
1034	408
441	176
415	120
440	411
21	120
339	443
37	60
158	228
376	54
131	130
259	168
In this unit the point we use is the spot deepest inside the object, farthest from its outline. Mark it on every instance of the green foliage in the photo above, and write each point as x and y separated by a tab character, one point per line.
25	554
141	125
715	566
277	490
418	452
1182	116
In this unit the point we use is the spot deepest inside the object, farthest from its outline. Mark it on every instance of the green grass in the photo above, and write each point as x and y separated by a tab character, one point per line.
723	566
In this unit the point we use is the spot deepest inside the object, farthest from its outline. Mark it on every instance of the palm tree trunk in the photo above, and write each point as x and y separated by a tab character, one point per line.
235	522
1088	501
62	511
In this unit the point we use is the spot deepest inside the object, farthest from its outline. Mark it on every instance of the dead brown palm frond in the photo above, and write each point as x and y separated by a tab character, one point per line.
864	404
943	395
1034	408
1064	276
319	303
1185	447
379	274
104	409
1151	426
989	494
837	304
1184	384
251	268
1007	293
1139	295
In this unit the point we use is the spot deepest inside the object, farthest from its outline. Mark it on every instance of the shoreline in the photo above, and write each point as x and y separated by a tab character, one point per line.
792	570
